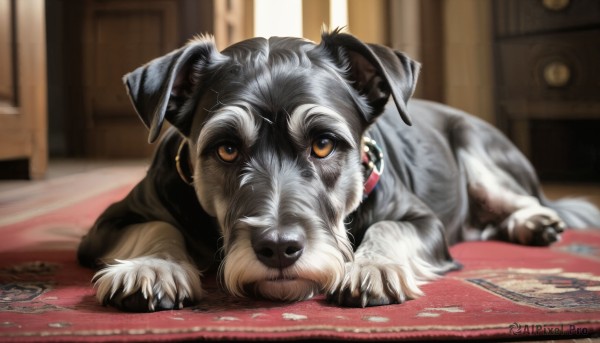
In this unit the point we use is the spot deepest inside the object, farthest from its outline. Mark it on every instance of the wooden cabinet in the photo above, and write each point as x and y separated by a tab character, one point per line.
23	138
548	83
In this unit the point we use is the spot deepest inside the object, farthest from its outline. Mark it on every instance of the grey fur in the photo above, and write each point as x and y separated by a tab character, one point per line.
266	102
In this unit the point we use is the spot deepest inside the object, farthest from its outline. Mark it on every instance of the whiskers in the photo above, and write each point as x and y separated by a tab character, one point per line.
320	269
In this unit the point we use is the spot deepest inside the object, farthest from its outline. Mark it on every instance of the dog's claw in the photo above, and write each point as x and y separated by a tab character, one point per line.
147	285
372	284
364	300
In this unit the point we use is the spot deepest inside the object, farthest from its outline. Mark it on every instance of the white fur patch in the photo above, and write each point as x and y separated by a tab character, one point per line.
150	258
389	266
486	184
307	115
523	223
238	117
521	216
157	278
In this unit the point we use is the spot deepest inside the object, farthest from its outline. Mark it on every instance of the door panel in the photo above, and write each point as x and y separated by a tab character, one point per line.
105	39
118	37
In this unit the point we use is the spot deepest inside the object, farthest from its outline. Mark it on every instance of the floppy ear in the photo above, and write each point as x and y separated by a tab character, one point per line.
164	87
376	71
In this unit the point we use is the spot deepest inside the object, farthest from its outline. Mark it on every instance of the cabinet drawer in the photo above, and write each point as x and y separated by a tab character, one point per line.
561	67
517	17
566	149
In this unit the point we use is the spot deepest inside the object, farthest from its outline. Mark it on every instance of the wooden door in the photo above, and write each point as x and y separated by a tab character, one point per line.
106	39
23	99
119	36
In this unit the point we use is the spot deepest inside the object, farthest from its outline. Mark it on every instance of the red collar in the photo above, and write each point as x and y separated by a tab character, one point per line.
372	160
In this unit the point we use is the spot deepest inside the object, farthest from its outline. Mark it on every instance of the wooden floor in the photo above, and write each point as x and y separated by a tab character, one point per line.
560	190
63	167
58	168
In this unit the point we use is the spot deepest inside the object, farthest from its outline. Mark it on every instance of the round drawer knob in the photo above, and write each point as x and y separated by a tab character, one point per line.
557	74
555	5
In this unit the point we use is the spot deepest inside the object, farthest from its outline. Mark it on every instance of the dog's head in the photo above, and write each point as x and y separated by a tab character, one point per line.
274	128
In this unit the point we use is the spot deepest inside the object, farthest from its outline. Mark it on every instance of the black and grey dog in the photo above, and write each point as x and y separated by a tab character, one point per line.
299	168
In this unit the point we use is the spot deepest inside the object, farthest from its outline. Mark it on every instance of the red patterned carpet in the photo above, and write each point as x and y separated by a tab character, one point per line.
504	292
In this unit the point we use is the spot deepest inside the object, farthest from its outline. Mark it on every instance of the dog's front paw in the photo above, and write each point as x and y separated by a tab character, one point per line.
539	226
375	284
146	284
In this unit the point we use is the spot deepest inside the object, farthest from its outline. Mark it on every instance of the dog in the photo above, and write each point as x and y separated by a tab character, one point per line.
292	169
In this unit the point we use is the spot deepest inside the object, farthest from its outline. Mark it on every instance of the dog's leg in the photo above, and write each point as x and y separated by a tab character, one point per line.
395	258
148	270
497	199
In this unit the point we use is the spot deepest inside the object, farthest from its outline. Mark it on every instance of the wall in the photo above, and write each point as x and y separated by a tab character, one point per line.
468	66
451	38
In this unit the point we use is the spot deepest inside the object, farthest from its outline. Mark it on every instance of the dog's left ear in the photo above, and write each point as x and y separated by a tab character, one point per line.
376	71
164	87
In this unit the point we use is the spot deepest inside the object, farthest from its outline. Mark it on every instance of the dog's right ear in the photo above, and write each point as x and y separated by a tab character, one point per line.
164	87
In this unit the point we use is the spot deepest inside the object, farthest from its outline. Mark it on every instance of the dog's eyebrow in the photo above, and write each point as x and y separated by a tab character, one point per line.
236	118
310	117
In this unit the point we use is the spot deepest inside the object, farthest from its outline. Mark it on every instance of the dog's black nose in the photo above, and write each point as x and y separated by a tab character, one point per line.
279	249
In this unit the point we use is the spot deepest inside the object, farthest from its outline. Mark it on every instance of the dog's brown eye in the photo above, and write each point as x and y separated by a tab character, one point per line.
228	152
323	146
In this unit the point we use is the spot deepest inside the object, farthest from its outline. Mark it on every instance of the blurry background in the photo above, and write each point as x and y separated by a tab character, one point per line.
530	67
